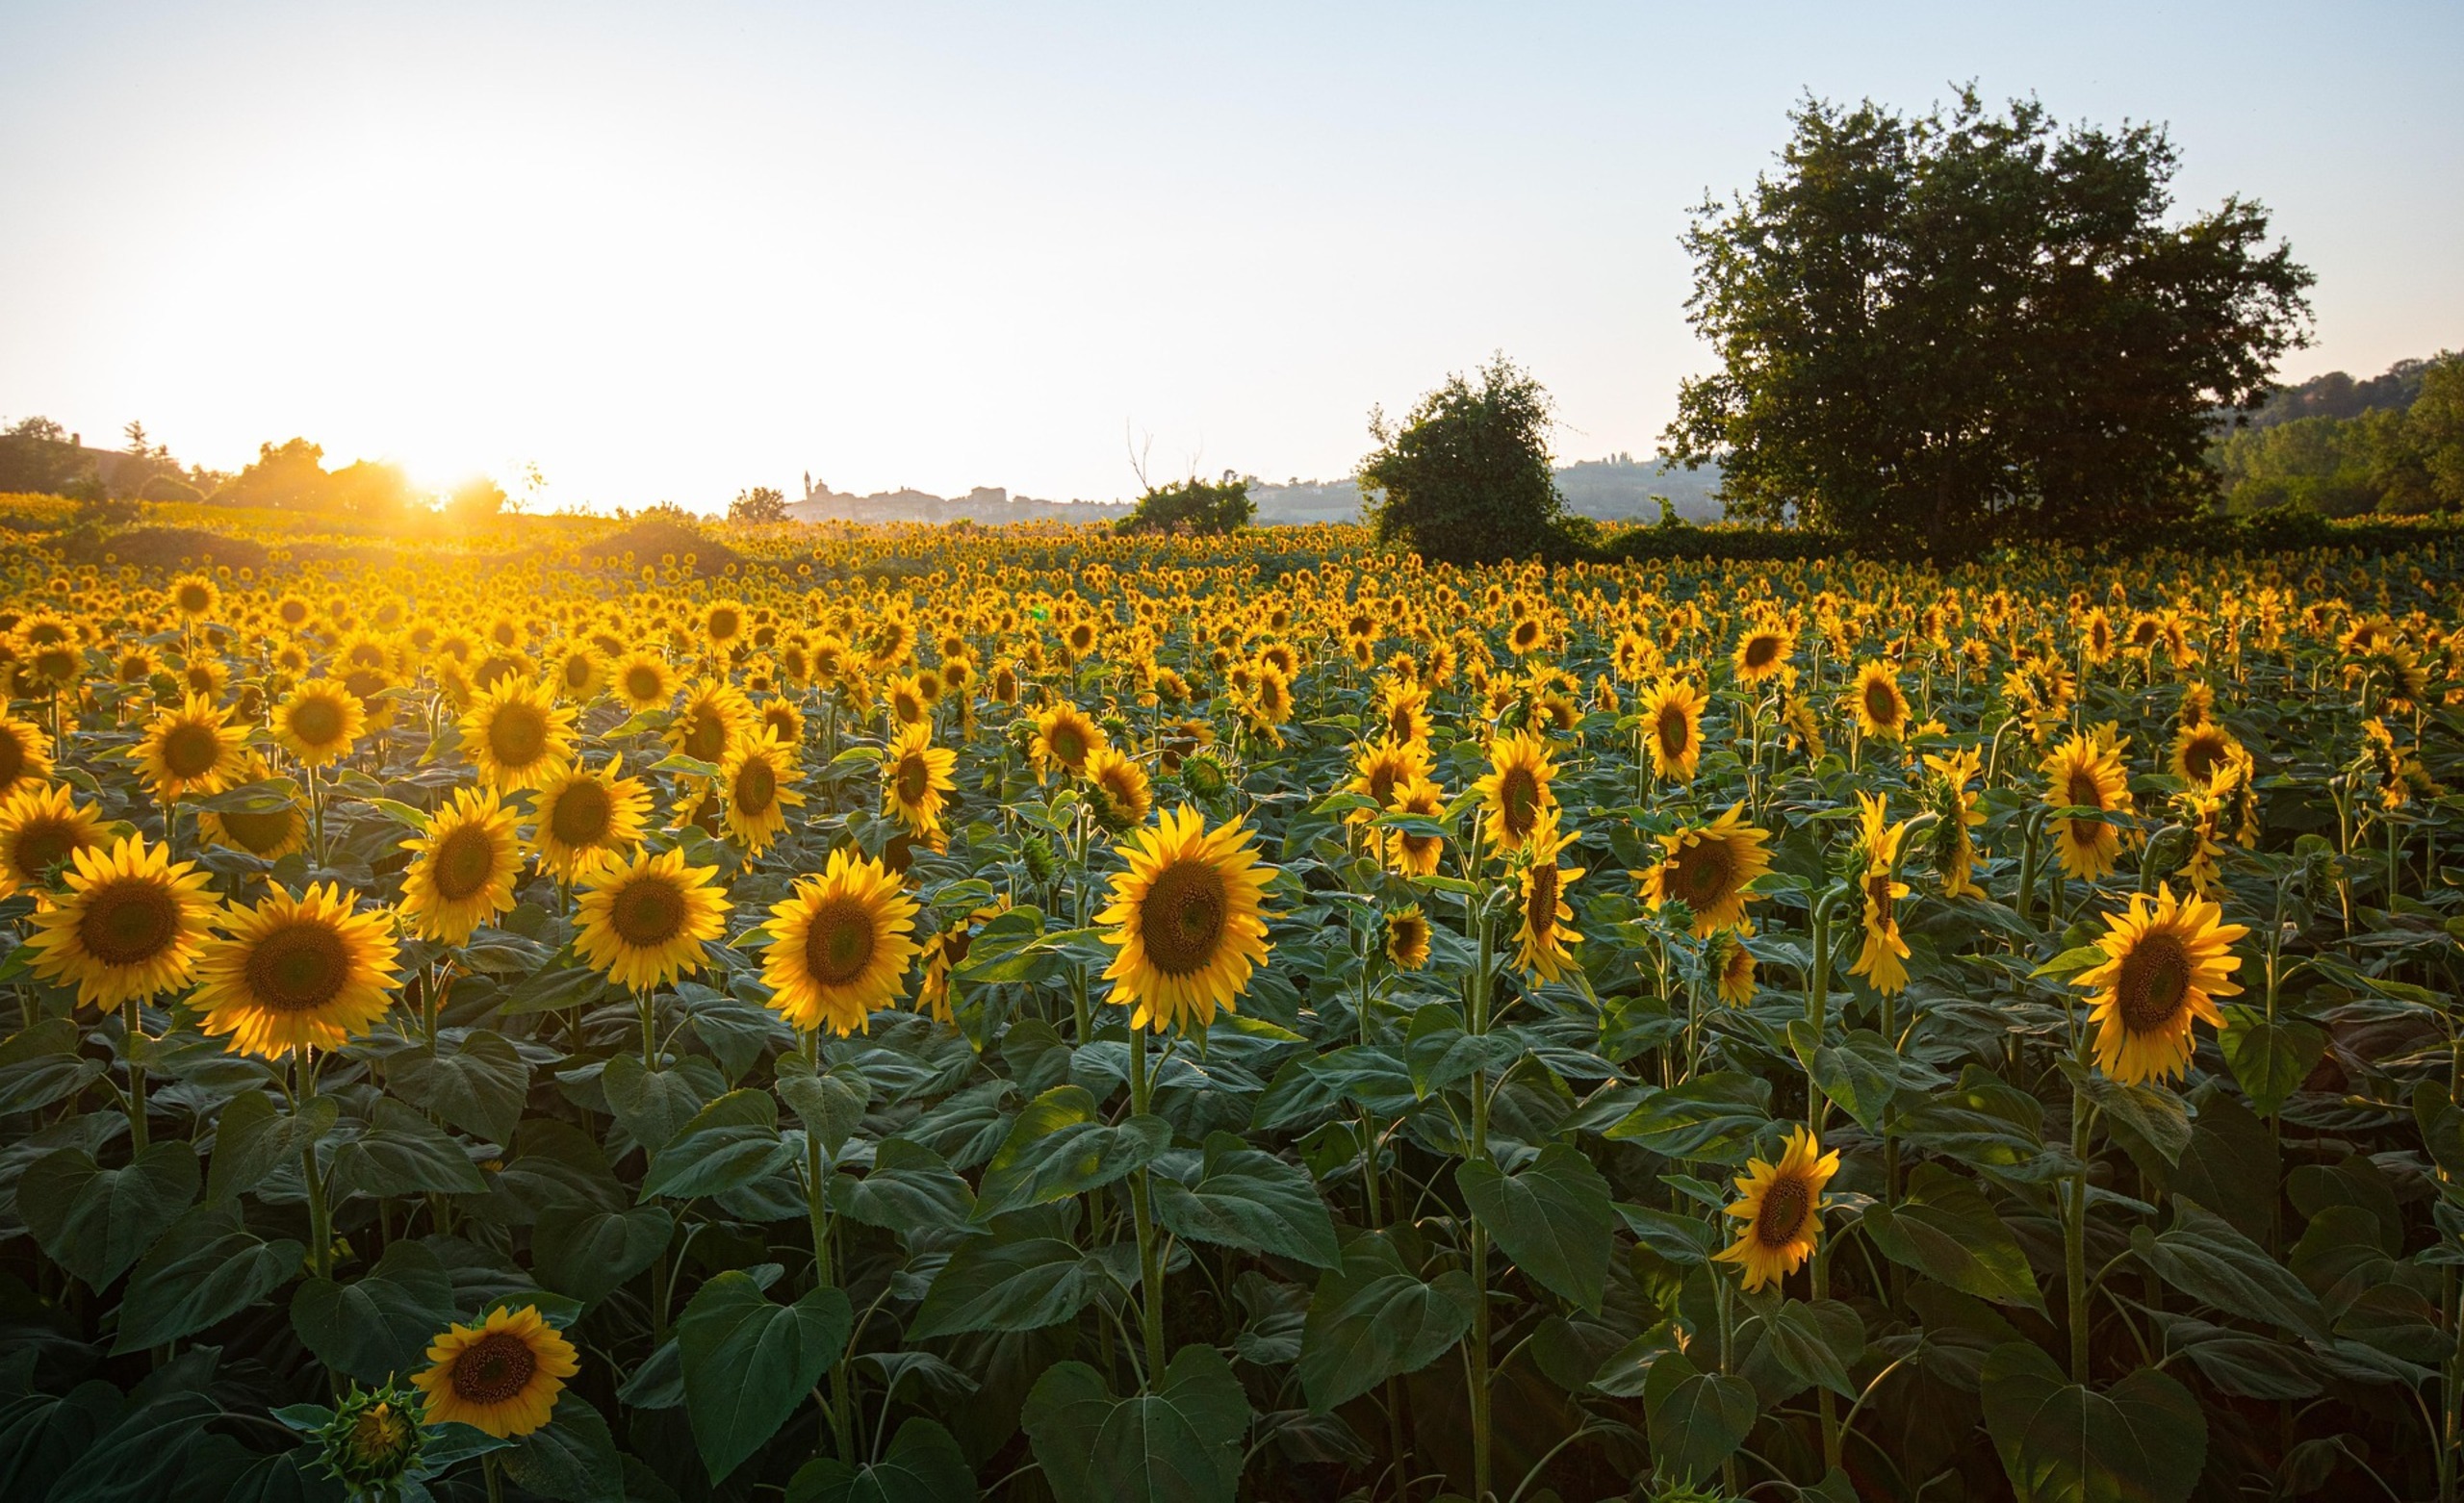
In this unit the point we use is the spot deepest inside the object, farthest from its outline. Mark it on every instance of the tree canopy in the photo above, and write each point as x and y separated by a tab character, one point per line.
1941	331
1192	505
1466	478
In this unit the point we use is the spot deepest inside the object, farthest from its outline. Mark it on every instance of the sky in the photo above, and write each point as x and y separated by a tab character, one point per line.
666	252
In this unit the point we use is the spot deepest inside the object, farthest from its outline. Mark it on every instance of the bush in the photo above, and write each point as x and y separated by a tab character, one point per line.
1193	506
1467	479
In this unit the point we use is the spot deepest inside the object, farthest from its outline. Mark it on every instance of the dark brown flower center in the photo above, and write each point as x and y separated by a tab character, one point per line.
1180	920
463	863
1675	734
1760	649
1882	702
2202	756
195	599
1068	744
648	911
493	1369
2155	981
756	787
191	750
1706	873
518	735
128	921
838	943
257	834
705	735
1519	801
915	779
725	623
581	812
43	844
642	682
1785	1204
298	967
13	759
1540	905
318	722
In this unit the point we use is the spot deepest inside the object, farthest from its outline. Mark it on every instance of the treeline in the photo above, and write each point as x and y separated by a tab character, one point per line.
38	456
2340	448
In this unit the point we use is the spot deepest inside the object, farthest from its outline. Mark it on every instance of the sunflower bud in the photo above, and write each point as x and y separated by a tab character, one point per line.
1204	776
372	1440
1043	868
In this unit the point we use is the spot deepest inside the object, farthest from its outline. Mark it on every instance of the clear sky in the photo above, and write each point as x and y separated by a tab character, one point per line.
665	251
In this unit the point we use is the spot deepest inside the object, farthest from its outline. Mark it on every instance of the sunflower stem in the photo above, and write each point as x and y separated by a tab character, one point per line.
2074	1237
134	1047
1150	1272
1479	1153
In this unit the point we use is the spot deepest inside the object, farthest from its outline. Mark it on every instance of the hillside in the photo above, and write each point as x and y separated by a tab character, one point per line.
1617	489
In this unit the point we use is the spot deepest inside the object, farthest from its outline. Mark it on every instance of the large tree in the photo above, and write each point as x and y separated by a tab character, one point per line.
1466	478
1956	328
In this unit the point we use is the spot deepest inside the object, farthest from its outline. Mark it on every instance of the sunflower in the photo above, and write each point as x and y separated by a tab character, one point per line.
195	596
501	1376
1119	786
1407	936
1404	710
580	673
1730	965
267	834
840	946
2165	964
1879	709
644	920
1410	855
190	749
944	952
517	735
643	682
758	776
1672	716
713	716
2201	749
1540	943
584	816
784	721
1065	738
1516	790
1708	867
1879	960
909	703
1379	768
25	756
318	721
296	973
130	925
2084	773
1184	914
915	773
1782	1208
41	827
1761	653
1953	848
462	869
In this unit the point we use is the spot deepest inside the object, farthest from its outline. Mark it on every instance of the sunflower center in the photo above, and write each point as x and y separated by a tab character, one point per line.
366	682
1882	703
192	751
1181	919
2202	756
648	912
41	845
257	834
2084	791
128	922
316	722
706	736
1381	785
724	625
1759	650
13	759
1674	735
463	863
1519	801
642	683
914	781
195	599
493	1369
576	672
2155	979
582	813
1705	872
756	787
1540	908
838	943
1785	1204
518	736
1069	745
298	967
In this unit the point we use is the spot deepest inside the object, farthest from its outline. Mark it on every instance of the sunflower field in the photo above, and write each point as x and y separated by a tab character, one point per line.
926	1015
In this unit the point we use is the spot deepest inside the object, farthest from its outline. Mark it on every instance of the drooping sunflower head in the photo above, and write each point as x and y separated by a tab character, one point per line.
462	868
1186	916
1117	786
643	921
1731	966
1780	1211
2201	749
296	973
1516	790
25	756
318	721
1407	938
2166	962
41	827
1710	868
129	927
501	1376
517	735
1381	767
193	749
840	946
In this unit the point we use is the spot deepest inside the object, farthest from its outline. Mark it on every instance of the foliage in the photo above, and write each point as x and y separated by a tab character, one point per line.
291	477
1193	506
1466	478
1959	329
758	505
1450	1219
2395	459
36	455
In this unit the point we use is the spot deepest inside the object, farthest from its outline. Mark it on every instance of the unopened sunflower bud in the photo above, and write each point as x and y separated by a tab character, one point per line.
372	1440
1043	868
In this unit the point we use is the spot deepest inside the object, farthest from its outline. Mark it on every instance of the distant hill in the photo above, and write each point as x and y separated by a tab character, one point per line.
985	504
1617	489
2337	395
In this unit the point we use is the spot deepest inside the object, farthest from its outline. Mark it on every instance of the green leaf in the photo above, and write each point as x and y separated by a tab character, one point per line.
2205	1257
1860	1074
1372	1320
1554	1219
41	1065
206	1269
573	1459
2232	1163
830	1104
749	1363
403	1154
909	1189
254	1138
1178	1443
2071	963
729	1144
1817	1344
479	1086
653	1105
2145	1117
1439	1054
1697	1420
1058	1147
1714	1117
2144	1441
2269	1060
96	1222
1020	1285
383	1321
1250	1199
1944	1228
924	1464
589	1253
